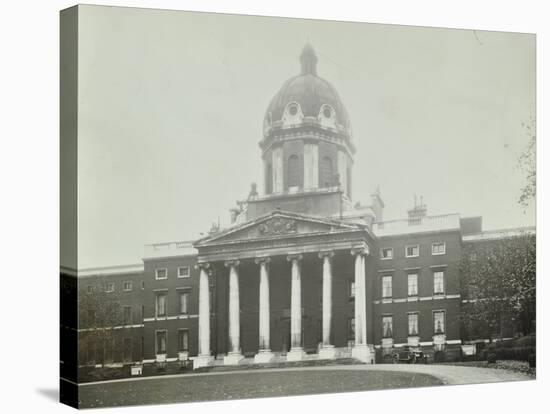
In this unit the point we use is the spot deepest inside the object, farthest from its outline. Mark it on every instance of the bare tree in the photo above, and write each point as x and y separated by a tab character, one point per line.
527	162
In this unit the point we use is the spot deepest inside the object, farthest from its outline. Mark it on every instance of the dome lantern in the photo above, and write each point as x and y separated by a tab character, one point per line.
308	59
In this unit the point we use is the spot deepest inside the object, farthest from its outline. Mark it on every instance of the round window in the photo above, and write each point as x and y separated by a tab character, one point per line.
327	112
293	110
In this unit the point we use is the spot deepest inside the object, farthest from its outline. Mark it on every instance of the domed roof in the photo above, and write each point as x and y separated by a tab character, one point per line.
311	92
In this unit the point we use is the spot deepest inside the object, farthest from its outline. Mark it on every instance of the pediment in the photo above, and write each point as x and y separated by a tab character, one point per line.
278	225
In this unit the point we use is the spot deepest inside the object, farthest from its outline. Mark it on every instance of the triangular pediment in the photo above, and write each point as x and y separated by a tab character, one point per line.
278	224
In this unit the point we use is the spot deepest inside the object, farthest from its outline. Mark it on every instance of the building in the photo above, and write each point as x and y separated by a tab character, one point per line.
302	272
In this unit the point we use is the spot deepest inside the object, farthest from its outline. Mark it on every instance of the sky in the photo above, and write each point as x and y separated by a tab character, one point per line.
171	106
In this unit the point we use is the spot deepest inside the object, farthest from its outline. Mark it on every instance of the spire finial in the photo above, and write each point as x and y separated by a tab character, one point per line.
308	59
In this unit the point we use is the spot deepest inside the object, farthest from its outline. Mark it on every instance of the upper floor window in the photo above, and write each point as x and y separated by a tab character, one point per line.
184	302
294	171
412	251
439	322
160	304
412	282
127	286
184	271
439	283
127	315
413	324
438	248
387	326
326	172
387	286
386	253
110	287
161	274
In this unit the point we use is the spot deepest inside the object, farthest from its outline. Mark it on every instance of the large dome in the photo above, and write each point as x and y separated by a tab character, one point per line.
315	98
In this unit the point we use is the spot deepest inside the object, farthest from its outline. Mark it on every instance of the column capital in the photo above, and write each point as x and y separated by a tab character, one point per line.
202	266
362	250
262	260
294	256
326	253
231	263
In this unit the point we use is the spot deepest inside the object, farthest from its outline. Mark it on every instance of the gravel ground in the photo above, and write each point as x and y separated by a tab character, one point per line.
516	366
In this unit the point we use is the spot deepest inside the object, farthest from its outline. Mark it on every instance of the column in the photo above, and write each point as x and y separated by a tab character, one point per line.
361	350
296	351
327	350
264	354
234	355
204	358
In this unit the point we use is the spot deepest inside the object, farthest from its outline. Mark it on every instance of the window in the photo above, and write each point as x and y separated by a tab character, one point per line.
127	315
184	302
413	324
294	171
142	284
386	253
110	287
183	340
412	282
386	286
90	289
387	326
160	304
160	342
326	172
439	283
412	251
127	286
439	322
161	274
183	271
351	329
438	248
127	350
351	289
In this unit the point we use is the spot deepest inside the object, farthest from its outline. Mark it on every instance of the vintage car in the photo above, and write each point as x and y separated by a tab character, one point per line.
410	355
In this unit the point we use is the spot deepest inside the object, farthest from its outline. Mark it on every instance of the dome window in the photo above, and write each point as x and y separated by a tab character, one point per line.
327	112
293	110
293	114
327	117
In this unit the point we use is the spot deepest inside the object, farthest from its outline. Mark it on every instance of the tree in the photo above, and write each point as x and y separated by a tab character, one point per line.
99	312
527	162
499	282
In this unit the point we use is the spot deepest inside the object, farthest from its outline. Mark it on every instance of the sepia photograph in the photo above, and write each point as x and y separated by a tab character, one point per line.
259	207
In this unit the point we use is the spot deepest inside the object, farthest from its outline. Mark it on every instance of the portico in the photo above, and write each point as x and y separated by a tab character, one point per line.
292	254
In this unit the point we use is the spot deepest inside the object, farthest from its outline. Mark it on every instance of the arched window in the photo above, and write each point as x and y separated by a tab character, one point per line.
293	171
327	176
269	179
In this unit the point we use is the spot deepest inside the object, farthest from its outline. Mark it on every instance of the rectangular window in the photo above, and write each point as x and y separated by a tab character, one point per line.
127	350
439	322
351	329
413	324
127	286
184	271
184	302
143	284
183	340
387	286
90	289
387	326
439	283
161	274
110	287
438	248
160	304
160	342
386	253
412	281
351	289
412	251
127	315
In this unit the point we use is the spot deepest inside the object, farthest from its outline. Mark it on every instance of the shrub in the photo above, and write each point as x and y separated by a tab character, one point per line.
492	358
532	360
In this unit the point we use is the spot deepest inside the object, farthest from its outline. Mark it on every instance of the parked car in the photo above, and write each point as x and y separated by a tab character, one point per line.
410	355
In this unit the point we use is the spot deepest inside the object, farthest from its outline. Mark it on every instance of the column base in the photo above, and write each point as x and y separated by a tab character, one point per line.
362	353
203	361
295	354
233	358
327	352
263	356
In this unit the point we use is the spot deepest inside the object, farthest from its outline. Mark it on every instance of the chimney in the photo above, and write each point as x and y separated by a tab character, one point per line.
377	204
417	212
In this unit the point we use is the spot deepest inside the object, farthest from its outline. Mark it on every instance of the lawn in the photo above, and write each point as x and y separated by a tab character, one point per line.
245	385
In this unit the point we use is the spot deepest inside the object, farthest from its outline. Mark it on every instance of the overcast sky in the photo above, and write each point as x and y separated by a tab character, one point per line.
172	105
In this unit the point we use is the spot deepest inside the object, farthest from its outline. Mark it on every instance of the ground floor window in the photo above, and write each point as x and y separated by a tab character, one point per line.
351	329
161	342
183	340
439	322
127	350
413	324
387	326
